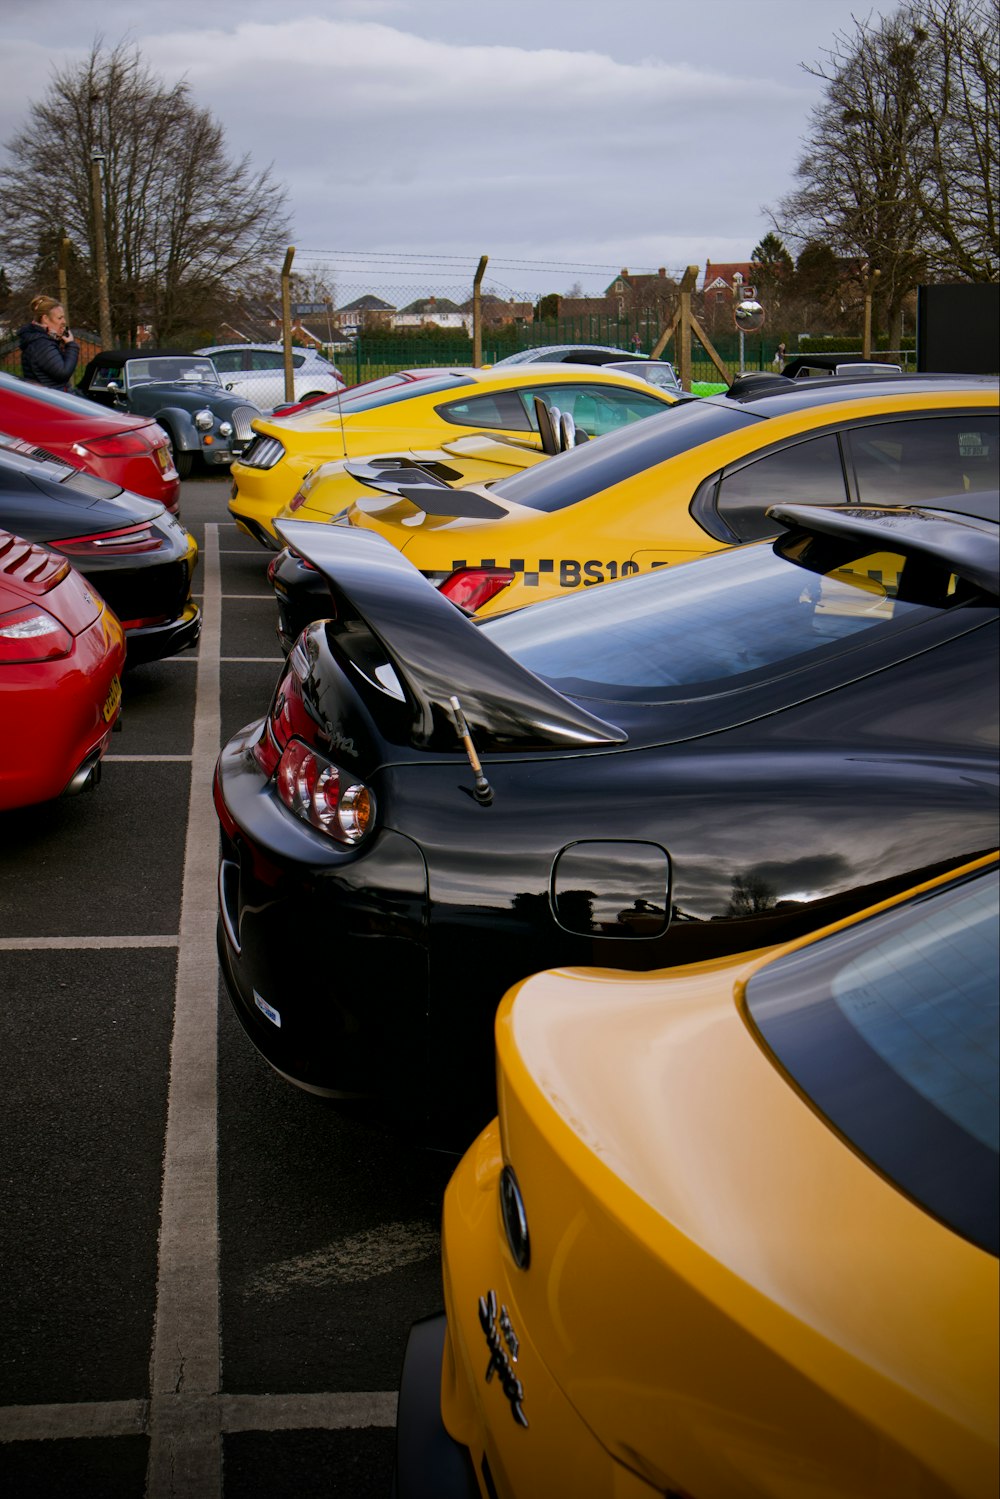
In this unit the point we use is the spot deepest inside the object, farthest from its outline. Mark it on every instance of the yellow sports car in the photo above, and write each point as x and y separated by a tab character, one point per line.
734	1232
421	409
692	481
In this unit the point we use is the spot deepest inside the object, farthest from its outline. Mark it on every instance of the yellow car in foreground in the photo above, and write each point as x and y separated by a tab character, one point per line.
421	409
691	481
734	1232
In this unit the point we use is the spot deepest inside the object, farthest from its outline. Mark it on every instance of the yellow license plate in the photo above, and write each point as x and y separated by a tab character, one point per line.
163	458
112	701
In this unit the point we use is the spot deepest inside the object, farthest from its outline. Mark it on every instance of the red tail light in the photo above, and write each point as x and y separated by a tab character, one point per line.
30	634
472	587
143	538
118	445
323	795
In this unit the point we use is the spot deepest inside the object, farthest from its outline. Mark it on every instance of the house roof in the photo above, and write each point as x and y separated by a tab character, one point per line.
720	273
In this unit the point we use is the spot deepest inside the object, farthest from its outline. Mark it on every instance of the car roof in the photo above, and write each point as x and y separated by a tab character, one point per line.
774	395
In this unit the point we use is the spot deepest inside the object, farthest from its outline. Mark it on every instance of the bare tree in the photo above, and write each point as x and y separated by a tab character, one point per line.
899	172
183	221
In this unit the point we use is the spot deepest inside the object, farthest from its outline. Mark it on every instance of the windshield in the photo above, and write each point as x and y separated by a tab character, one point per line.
730	620
166	370
623	454
891	1029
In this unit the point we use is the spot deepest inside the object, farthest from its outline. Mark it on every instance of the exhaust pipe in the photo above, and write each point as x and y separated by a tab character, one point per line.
86	777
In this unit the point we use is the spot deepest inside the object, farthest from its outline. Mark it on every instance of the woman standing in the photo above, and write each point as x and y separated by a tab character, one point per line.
49	351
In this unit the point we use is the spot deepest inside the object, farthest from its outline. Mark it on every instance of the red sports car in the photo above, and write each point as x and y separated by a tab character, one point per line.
131	451
61	658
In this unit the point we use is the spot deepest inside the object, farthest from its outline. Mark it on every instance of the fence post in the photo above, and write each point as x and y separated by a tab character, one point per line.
477	314
286	321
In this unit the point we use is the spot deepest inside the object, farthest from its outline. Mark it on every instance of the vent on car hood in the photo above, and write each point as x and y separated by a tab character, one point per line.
436	652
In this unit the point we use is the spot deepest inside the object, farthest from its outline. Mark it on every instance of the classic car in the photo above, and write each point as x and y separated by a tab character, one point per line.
183	393
681	764
132	451
62	652
443	404
256	373
734	1231
138	557
670	488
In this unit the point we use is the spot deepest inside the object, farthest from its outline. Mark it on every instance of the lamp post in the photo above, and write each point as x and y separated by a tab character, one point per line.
97	159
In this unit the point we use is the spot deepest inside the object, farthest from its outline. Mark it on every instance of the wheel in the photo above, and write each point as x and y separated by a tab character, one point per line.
184	463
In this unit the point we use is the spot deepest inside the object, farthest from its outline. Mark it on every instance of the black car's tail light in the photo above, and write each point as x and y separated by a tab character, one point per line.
141	538
472	587
323	795
31	634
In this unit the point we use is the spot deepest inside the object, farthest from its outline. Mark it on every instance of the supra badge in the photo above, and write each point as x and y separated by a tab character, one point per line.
502	1342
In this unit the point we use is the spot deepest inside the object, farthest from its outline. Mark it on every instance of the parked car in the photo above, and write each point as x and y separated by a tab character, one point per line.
131	451
422	414
734	1232
62	652
670	488
656	371
138	557
256	372
680	765
183	393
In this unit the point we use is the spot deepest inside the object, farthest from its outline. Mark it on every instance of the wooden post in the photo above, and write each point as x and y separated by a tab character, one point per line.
286	321
64	248
866	337
477	313
100	250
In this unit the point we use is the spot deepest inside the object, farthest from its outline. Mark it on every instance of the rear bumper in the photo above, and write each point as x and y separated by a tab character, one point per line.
155	642
429	1464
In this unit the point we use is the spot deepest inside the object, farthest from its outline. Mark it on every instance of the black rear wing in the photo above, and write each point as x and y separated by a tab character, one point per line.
968	543
436	651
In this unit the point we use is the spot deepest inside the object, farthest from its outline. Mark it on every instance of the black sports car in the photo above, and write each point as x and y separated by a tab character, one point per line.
183	393
670	768
131	549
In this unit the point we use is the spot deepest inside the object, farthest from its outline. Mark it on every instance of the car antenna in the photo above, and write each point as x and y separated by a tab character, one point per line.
484	791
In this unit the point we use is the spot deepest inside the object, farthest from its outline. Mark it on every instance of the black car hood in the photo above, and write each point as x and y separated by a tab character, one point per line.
436	651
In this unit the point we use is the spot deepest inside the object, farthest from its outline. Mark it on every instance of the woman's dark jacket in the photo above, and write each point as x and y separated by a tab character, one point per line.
44	360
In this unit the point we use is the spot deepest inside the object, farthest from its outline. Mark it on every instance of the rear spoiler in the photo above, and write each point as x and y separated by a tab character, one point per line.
969	544
437	651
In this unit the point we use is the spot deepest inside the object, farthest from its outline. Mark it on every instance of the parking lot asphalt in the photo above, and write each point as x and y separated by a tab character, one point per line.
208	1276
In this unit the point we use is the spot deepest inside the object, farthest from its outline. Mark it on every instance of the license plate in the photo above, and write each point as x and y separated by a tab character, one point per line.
163	458
112	701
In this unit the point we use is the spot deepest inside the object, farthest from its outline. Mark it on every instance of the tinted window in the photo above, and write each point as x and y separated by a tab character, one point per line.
904	462
498	408
807	473
227	360
595	409
576	475
268	359
891	1029
734	619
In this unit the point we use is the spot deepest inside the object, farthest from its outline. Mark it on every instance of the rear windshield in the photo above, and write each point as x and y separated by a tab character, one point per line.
892	1029
382	393
64	399
727	621
620	455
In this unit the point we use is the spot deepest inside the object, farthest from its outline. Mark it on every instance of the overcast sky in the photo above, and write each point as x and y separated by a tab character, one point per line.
562	138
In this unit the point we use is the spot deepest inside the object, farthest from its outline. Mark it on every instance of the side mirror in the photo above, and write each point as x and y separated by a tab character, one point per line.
113	386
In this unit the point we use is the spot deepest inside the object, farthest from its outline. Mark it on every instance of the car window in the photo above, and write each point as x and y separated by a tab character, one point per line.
891	1029
227	360
731	620
574	476
907	461
104	375
595	409
367	398
497	408
267	359
65	400
198	371
804	473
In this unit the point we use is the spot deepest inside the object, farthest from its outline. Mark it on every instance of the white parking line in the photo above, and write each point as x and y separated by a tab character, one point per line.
185	1446
123	1418
33	944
